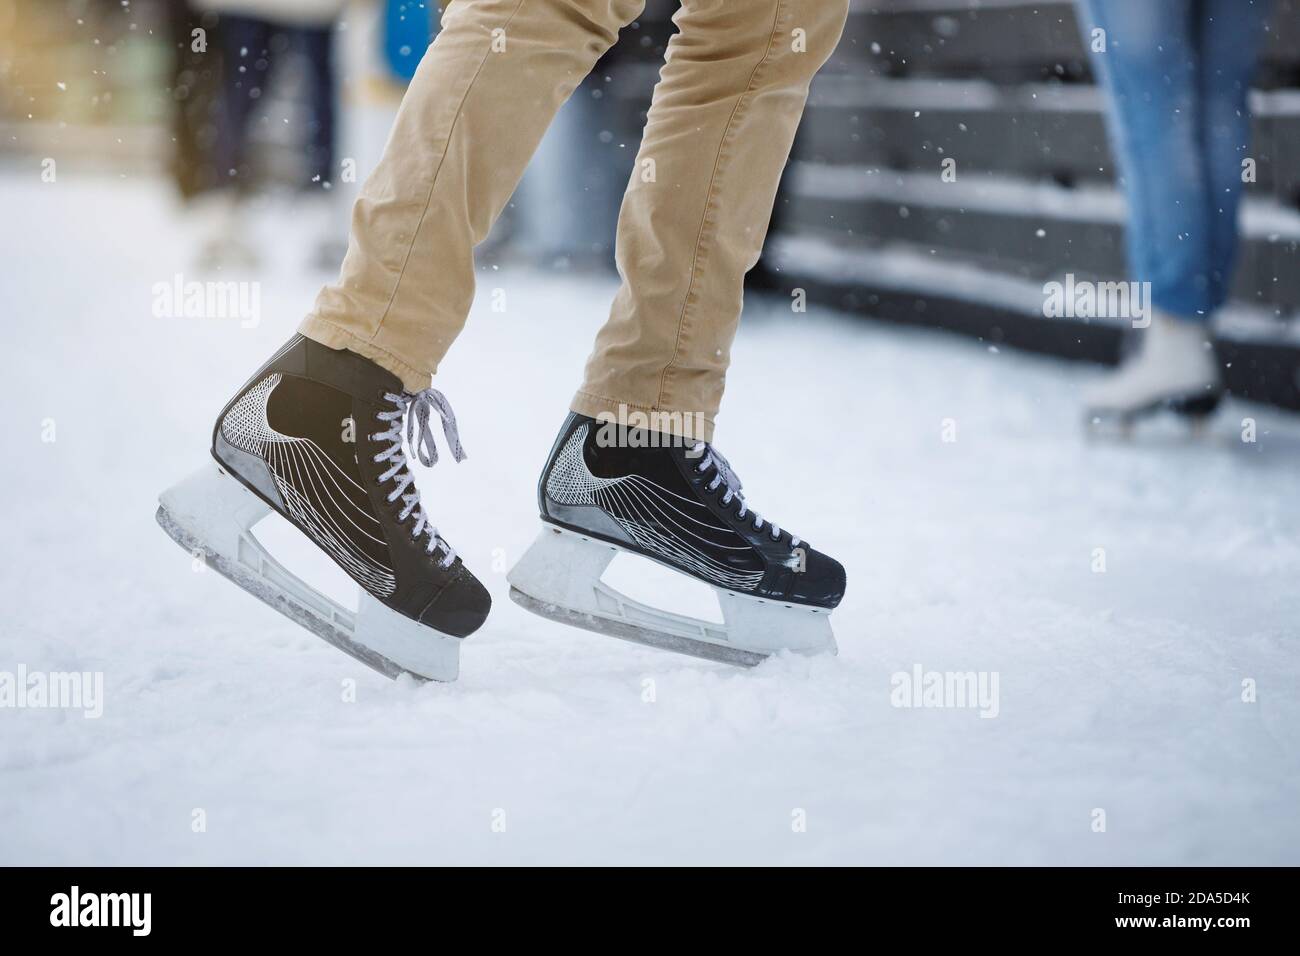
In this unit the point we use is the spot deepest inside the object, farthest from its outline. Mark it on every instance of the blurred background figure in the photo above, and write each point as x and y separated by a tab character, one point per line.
1178	73
194	81
255	37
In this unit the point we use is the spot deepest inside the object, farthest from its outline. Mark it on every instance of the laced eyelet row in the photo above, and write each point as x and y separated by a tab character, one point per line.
415	410
725	478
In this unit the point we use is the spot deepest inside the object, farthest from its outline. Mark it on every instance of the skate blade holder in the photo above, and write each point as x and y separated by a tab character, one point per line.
559	578
211	515
1195	410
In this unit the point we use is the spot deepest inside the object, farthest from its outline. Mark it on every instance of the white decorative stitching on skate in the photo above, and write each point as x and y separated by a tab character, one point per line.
637	504
300	463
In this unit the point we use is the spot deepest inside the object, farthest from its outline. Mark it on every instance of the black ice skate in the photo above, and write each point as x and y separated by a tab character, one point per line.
681	505
316	435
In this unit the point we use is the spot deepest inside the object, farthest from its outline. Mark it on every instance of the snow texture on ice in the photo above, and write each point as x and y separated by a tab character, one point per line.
1118	690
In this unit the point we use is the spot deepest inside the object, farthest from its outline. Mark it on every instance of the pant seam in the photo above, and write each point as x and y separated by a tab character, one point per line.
428	199
709	197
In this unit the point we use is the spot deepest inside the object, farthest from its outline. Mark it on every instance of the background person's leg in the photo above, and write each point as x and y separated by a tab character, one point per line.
221	216
1150	68
1230	35
1153	68
479	103
246	48
321	204
317	45
697	207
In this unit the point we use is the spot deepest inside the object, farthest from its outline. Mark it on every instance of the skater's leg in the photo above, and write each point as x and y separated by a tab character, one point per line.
479	103
324	432
693	220
697	207
1230	35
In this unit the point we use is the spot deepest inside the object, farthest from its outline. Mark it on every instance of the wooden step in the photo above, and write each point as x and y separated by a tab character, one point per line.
1010	41
1035	130
900	283
1027	229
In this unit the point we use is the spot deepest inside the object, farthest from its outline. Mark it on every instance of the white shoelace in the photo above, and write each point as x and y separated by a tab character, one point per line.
712	457
416	410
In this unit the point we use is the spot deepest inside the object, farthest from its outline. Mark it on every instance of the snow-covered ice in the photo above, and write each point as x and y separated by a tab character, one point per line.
1119	691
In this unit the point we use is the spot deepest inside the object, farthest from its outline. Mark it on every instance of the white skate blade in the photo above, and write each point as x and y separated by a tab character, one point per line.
559	578
211	514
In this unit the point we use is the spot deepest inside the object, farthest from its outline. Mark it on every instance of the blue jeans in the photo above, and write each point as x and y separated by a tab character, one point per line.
1178	73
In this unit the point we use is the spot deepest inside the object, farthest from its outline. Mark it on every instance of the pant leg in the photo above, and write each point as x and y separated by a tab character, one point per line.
317	45
195	92
476	109
1230	35
696	209
246	67
1151	68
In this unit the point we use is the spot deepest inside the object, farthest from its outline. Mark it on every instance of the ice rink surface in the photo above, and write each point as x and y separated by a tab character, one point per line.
1118	690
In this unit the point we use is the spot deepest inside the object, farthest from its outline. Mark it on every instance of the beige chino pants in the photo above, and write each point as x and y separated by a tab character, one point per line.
693	219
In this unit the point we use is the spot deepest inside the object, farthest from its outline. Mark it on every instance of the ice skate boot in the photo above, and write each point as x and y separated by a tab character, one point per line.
1174	368
679	504
316	436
